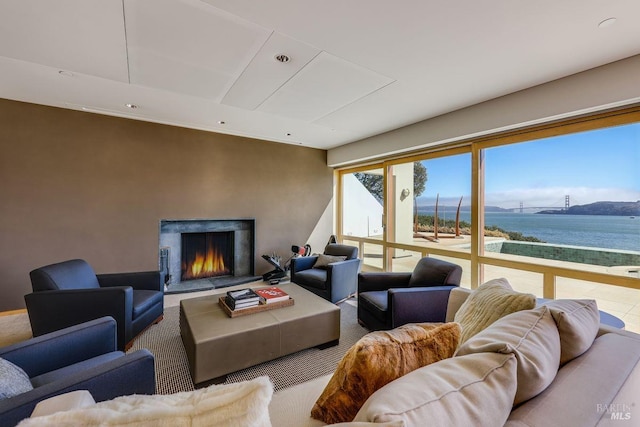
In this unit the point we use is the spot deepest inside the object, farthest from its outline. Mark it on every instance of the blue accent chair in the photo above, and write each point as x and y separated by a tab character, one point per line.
70	292
391	299
81	357
335	282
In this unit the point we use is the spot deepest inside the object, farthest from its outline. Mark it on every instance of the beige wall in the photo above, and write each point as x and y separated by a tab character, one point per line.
82	185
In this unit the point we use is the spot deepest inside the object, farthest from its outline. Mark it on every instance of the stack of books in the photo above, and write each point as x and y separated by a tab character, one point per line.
271	295
242	298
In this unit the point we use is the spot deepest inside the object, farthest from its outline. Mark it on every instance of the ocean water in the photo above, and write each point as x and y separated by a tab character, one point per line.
599	231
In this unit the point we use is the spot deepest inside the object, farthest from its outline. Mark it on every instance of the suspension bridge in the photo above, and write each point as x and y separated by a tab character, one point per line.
556	205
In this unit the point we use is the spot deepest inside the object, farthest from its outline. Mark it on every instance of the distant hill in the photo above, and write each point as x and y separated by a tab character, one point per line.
601	208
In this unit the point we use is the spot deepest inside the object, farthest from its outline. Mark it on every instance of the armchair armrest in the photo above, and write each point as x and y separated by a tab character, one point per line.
130	374
147	280
53	310
303	263
63	347
417	305
382	281
342	278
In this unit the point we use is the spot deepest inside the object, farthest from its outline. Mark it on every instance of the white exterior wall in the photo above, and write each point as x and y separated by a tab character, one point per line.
362	213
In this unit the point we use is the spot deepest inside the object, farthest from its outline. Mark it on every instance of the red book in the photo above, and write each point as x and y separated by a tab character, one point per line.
271	295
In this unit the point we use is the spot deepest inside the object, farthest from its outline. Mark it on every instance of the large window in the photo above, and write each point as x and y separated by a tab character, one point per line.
555	209
571	198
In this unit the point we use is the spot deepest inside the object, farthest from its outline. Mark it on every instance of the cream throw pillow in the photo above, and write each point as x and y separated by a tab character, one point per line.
379	358
475	390
532	336
239	404
578	322
491	301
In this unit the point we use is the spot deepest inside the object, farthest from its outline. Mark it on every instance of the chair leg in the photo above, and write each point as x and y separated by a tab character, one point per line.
128	345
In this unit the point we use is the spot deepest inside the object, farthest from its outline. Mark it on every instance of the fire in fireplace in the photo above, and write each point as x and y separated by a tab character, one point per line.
208	254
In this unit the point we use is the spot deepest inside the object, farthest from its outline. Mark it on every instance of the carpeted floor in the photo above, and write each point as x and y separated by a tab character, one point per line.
172	371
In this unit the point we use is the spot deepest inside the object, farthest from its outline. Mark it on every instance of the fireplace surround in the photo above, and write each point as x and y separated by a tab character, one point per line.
238	265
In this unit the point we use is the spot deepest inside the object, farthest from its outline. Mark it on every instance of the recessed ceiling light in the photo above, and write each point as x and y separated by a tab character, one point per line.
221	122
132	106
281	57
65	73
607	23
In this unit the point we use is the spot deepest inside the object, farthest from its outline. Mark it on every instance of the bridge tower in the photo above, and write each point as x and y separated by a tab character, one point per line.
566	203
521	207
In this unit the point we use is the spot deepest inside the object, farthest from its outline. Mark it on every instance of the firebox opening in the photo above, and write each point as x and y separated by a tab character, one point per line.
207	254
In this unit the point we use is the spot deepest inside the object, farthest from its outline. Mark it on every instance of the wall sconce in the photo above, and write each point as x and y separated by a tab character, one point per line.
404	194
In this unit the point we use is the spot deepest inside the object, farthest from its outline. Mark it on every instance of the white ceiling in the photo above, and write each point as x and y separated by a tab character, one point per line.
357	68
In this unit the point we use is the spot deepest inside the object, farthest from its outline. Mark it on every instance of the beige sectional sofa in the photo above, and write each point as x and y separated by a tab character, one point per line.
599	387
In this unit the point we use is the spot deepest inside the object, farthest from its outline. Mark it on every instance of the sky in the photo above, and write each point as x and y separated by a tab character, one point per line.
601	165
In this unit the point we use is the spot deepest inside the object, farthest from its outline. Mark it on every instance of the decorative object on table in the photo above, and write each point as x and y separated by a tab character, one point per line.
222	302
271	295
242	298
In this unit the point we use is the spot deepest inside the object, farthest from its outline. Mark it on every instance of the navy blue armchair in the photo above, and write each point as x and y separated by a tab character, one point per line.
70	292
81	357
333	282
391	299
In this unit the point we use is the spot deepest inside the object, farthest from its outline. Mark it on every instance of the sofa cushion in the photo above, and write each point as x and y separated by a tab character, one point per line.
82	366
532	336
475	390
238	404
323	261
13	380
578	322
593	389
491	301
379	358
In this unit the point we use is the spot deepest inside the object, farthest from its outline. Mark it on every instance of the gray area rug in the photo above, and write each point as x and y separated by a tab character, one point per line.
172	371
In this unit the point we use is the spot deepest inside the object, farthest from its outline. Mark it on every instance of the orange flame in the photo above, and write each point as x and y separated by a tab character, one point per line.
206	265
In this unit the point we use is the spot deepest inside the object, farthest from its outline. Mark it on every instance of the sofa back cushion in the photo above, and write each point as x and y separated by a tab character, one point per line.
379	358
532	336
475	390
594	389
491	301
457	297
578	322
72	274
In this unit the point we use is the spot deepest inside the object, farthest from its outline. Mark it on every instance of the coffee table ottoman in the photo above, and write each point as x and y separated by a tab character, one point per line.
217	344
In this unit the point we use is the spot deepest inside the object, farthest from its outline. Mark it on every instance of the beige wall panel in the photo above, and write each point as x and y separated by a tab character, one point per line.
81	185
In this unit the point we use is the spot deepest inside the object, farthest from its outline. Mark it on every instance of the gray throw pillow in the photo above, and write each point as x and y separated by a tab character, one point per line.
324	260
13	380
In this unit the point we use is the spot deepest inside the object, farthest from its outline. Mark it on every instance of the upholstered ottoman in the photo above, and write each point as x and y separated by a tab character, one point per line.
217	344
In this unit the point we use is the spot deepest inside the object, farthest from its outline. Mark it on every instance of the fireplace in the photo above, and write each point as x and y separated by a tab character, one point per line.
207	253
